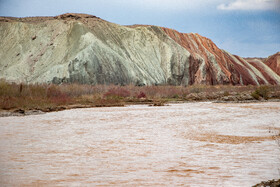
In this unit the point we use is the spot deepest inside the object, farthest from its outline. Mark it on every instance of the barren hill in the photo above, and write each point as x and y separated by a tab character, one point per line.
86	49
274	62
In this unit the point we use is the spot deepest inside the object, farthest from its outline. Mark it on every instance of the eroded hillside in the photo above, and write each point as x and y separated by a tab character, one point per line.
86	49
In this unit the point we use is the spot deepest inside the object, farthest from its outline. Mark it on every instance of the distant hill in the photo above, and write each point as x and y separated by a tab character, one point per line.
86	49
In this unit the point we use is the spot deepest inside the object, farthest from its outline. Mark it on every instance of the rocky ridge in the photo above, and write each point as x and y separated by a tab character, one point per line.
86	49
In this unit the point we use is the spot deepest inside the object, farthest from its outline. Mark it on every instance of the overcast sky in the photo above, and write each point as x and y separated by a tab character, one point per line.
249	28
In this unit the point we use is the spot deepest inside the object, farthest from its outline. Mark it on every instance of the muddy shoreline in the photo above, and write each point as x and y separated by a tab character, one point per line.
23	112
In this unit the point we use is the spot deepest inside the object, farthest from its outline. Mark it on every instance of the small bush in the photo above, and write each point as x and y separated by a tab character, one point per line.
176	96
226	93
255	95
261	91
141	95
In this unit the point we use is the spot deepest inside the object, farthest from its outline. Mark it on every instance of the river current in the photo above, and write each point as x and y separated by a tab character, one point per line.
189	144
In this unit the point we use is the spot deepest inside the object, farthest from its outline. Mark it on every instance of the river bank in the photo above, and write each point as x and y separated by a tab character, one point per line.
26	112
20	99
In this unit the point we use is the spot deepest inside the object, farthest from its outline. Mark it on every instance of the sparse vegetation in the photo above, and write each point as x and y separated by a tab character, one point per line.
50	97
118	92
255	95
261	92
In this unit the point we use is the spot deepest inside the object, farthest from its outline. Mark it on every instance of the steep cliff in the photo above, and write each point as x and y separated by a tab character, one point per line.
86	49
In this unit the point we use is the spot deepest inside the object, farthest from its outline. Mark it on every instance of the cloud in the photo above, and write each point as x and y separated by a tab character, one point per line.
251	5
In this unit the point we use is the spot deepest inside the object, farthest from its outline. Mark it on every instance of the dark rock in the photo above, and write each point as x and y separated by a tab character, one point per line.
20	111
269	183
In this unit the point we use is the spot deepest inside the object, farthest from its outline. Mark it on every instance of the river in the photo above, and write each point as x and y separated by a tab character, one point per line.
190	144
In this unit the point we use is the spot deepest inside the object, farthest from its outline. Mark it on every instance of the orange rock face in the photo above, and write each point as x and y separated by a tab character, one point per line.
222	67
274	62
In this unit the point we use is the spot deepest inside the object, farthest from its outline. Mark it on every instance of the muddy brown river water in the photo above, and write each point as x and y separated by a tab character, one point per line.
190	144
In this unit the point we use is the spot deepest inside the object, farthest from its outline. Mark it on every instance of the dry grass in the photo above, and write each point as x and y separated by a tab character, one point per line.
46	96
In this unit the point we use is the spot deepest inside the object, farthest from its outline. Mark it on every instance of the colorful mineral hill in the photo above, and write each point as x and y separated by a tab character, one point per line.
274	62
86	49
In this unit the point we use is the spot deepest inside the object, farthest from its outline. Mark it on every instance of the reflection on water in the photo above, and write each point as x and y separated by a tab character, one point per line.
198	144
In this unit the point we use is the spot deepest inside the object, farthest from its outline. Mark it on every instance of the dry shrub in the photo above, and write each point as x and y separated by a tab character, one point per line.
117	92
75	90
261	91
197	88
164	91
9	89
53	91
255	95
141	95
43	95
86	99
7	103
35	90
226	93
56	96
